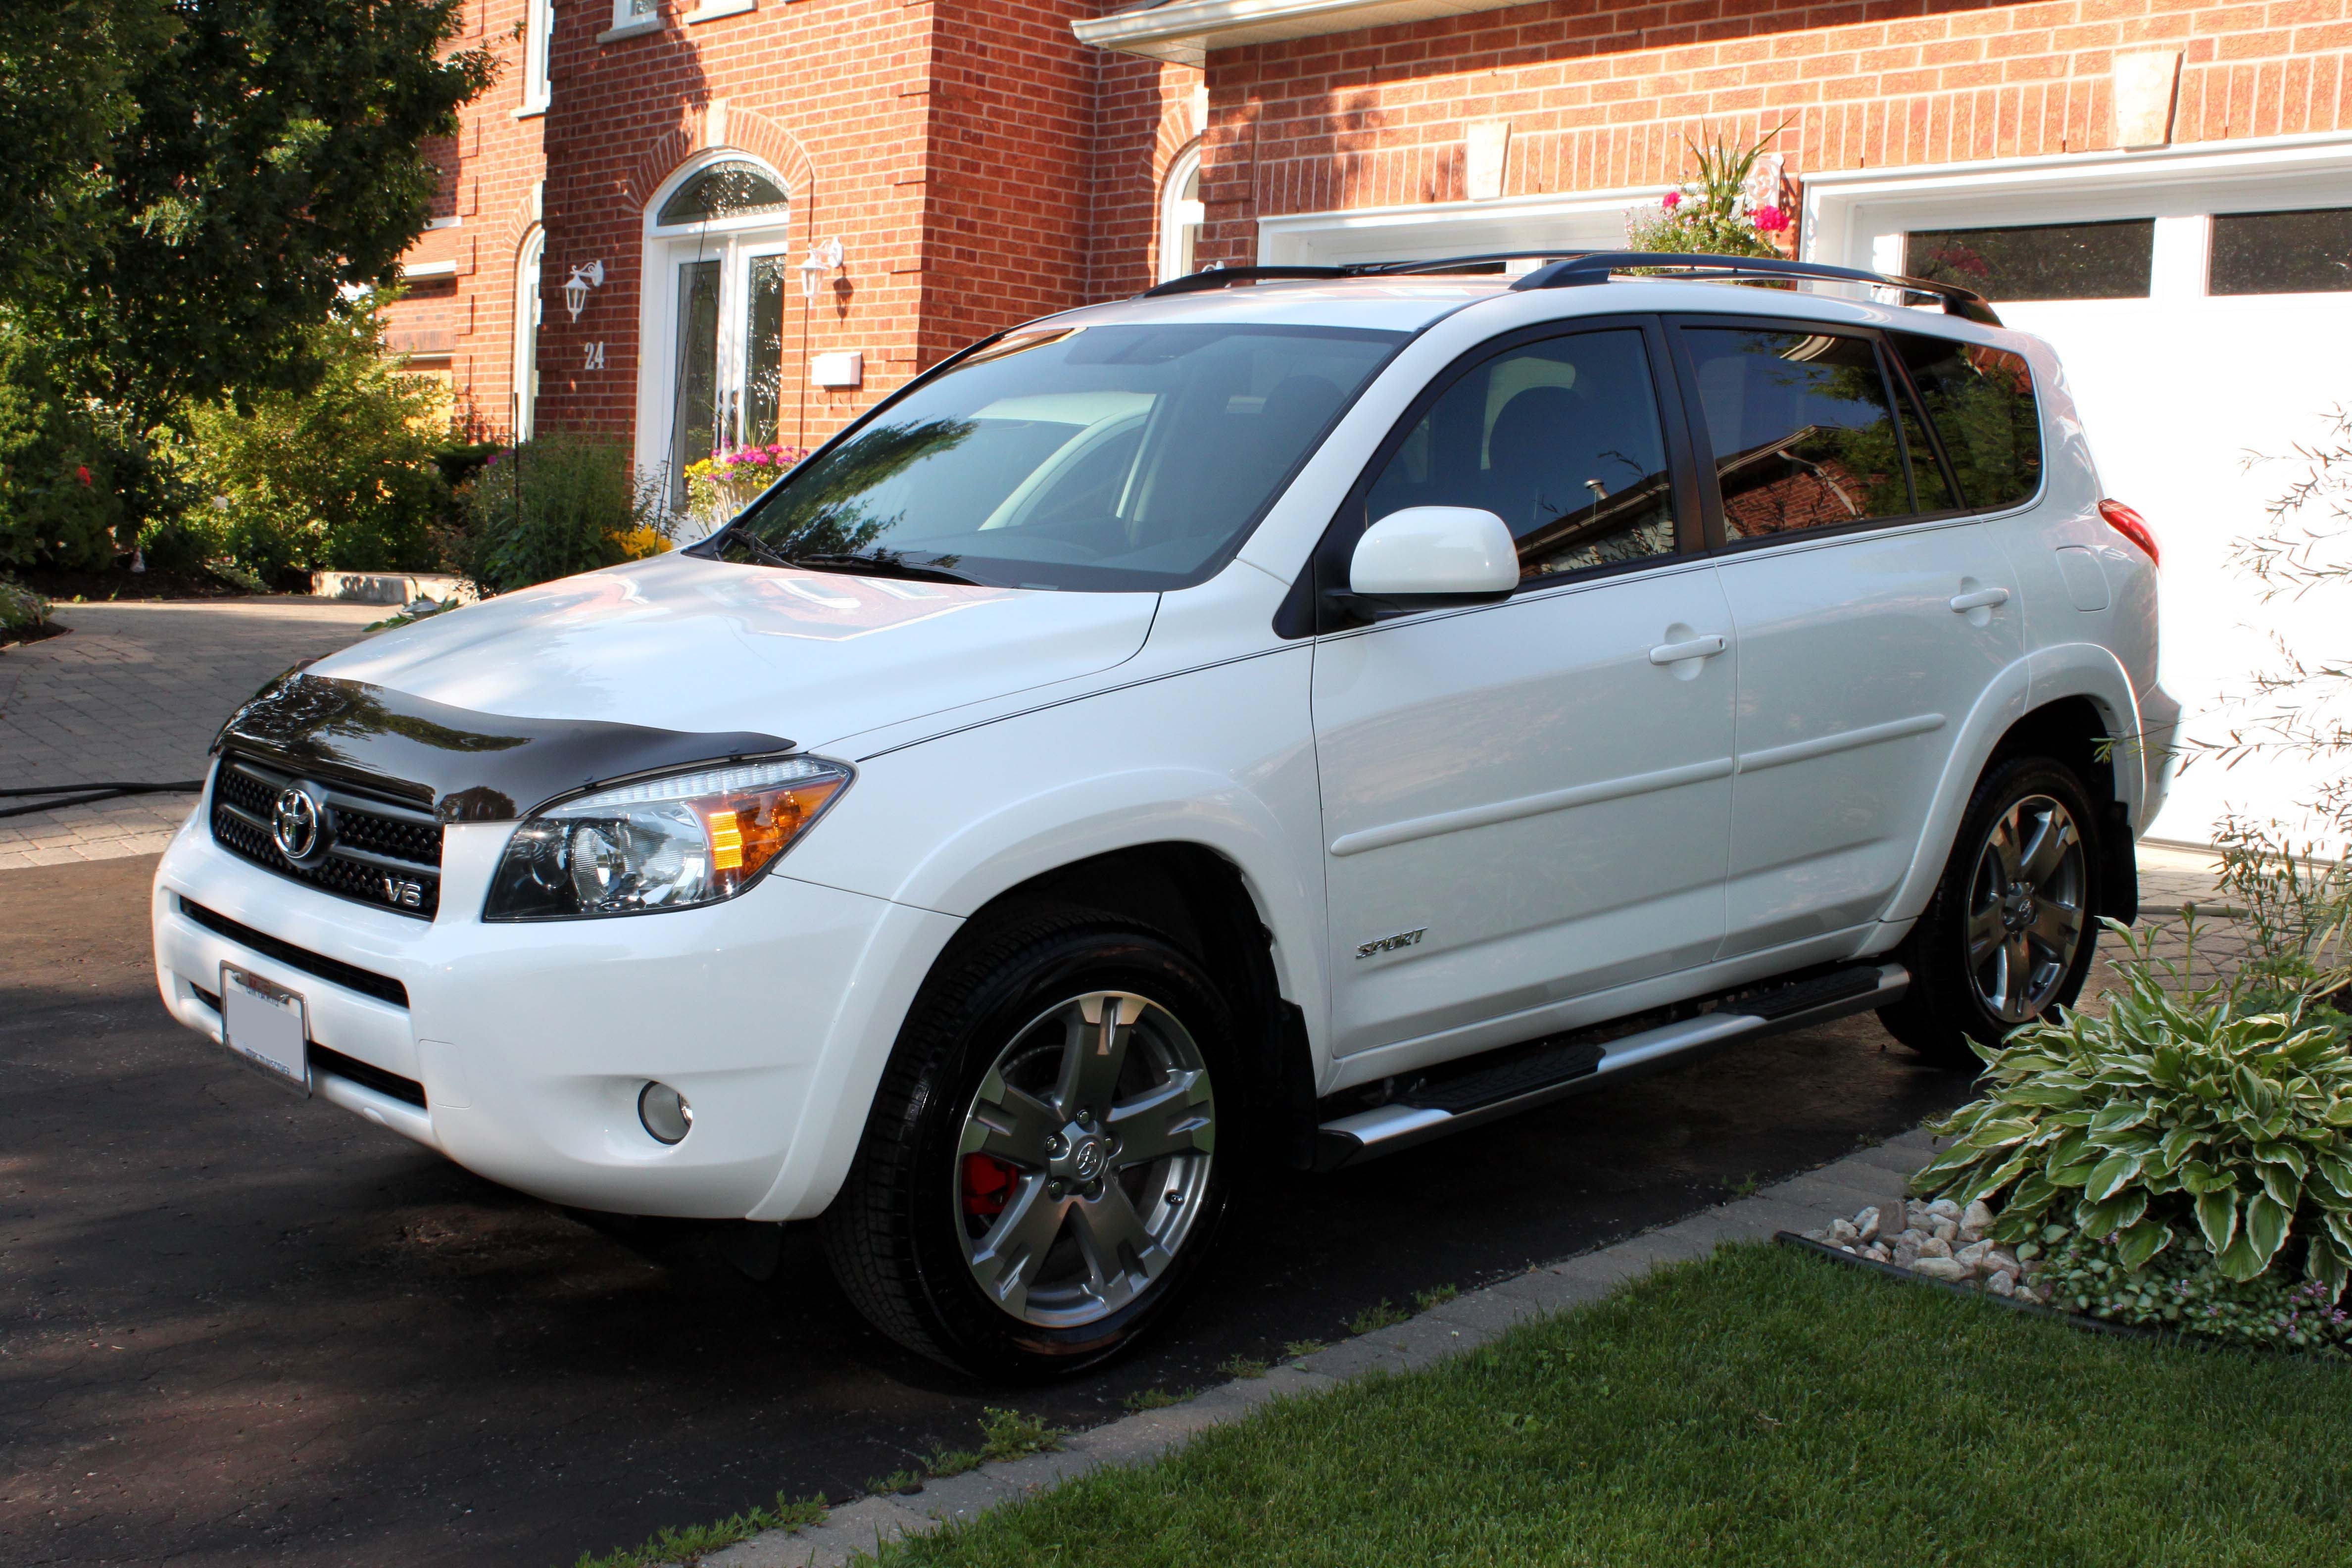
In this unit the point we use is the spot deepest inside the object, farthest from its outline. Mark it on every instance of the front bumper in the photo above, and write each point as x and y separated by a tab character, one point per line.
772	1013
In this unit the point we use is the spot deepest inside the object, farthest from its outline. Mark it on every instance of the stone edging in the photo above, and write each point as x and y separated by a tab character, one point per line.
1806	1202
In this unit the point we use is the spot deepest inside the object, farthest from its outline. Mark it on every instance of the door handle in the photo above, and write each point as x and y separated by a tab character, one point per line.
1697	648
1983	599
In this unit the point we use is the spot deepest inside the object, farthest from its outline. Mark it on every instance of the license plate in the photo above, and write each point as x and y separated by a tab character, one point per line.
267	1026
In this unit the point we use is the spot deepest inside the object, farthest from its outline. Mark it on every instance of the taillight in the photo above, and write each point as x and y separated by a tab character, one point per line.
2132	526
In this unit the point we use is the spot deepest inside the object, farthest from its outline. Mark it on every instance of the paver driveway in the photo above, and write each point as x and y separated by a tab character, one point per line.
133	694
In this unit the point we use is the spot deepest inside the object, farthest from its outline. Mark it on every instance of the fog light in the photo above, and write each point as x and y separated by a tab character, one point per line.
665	1112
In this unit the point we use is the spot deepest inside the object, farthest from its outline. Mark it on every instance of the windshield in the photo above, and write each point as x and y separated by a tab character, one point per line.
1094	457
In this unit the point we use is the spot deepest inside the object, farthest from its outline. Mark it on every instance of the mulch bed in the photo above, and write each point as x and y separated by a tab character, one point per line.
65	586
41	633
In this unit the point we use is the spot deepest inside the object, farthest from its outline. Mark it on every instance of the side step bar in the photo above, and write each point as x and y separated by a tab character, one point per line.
1541	1077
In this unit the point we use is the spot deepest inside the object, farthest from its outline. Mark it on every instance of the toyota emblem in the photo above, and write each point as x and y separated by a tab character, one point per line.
296	823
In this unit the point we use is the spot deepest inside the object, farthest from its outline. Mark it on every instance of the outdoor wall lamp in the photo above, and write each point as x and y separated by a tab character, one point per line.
577	287
822	259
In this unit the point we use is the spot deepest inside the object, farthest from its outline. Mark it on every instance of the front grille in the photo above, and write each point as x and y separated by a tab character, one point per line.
379	851
350	976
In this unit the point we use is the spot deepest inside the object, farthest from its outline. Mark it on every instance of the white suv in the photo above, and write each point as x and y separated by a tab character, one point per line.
1272	722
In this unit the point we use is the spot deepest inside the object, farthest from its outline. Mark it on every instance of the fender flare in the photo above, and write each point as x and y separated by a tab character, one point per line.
1109	812
2035	681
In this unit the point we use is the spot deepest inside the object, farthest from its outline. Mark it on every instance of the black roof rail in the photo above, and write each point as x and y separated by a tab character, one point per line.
1568	270
1599	266
1225	277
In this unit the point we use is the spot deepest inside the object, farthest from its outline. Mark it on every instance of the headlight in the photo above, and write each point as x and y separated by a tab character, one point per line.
663	844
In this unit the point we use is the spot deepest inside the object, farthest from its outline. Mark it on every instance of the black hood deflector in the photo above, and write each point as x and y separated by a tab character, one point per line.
466	766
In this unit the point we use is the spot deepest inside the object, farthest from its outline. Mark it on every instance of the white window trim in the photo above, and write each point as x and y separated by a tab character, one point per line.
529	311
627	23
711	10
538	33
414	271
1857	217
1580	220
1175	211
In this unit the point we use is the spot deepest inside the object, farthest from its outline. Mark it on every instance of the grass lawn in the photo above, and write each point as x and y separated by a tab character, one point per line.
1760	1407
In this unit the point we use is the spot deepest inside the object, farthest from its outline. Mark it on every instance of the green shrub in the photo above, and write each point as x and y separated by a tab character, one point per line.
1716	214
2180	1113
553	506
342	477
21	609
2183	1289
63	464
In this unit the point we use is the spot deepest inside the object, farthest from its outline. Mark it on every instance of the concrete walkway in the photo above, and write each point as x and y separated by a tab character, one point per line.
134	693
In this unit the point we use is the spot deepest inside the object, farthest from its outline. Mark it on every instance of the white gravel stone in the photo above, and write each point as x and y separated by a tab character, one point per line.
2004	1262
1977	1217
1949	1268
1906	1252
1973	1254
2002	1284
1947	1232
1945	1208
1866	1224
1935	1247
1842	1232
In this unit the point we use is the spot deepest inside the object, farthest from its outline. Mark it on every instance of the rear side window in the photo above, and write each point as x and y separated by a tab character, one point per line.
1562	440
1980	401
1801	429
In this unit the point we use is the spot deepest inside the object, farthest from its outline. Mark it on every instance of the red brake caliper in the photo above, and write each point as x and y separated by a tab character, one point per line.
987	1185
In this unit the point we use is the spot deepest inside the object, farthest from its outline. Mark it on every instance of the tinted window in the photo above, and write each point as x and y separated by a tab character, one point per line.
2039	261
1981	401
1104	458
1801	429
2282	253
1560	439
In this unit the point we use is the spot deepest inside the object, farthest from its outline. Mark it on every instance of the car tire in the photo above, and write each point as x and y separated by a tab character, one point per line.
2010	932
1050	1151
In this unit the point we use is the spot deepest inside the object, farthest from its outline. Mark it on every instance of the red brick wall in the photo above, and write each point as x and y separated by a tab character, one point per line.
489	170
1602	96
1144	118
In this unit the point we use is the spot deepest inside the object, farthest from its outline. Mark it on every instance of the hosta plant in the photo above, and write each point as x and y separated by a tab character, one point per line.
2179	1113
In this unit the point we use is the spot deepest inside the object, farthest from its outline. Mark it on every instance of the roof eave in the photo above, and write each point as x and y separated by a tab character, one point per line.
1185	31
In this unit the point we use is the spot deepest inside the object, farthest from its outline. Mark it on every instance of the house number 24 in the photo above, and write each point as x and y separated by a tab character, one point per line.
595	356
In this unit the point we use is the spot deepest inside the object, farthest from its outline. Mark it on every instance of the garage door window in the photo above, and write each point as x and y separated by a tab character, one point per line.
1560	439
2282	253
1802	430
1981	401
2039	261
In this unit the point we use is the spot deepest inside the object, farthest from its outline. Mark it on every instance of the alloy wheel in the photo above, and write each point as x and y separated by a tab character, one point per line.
2025	909
1083	1159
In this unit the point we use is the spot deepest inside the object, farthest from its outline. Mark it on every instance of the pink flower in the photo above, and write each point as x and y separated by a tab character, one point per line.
1672	200
1770	220
82	473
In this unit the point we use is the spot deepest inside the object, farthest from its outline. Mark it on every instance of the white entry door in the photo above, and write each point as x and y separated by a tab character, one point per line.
727	338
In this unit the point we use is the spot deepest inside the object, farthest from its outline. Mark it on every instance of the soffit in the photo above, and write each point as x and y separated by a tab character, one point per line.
1184	31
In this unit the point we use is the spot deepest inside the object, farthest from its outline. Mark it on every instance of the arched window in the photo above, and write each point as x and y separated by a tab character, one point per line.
1181	214
527	309
730	188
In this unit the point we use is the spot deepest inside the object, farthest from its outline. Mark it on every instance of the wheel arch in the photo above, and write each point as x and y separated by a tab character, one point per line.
2072	704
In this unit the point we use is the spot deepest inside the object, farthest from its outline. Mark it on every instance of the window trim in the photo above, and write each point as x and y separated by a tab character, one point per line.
1307	611
1889	368
1172	203
538	48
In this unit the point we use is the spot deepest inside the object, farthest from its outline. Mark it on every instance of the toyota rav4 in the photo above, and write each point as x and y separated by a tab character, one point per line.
1285	717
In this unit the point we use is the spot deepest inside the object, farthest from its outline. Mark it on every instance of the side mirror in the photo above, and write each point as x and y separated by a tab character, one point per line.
1429	557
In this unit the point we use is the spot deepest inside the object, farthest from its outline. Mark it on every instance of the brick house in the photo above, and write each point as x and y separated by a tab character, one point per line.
2163	187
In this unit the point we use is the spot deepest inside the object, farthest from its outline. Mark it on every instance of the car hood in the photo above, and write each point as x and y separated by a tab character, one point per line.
682	643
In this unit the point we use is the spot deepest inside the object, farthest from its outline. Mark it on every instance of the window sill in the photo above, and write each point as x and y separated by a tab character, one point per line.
711	10
636	29
532	110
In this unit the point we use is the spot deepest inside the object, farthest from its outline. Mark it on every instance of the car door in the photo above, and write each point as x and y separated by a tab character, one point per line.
1527	801
1870	617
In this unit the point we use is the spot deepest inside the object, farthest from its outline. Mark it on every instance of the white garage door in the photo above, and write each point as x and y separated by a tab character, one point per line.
2202	305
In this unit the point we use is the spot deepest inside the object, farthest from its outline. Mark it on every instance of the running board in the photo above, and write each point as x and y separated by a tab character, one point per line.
1540	1077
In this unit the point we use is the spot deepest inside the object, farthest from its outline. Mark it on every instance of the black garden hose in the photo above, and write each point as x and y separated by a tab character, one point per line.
85	794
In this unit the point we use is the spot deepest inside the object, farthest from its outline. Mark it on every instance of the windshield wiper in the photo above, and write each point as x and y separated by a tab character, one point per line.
875	566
